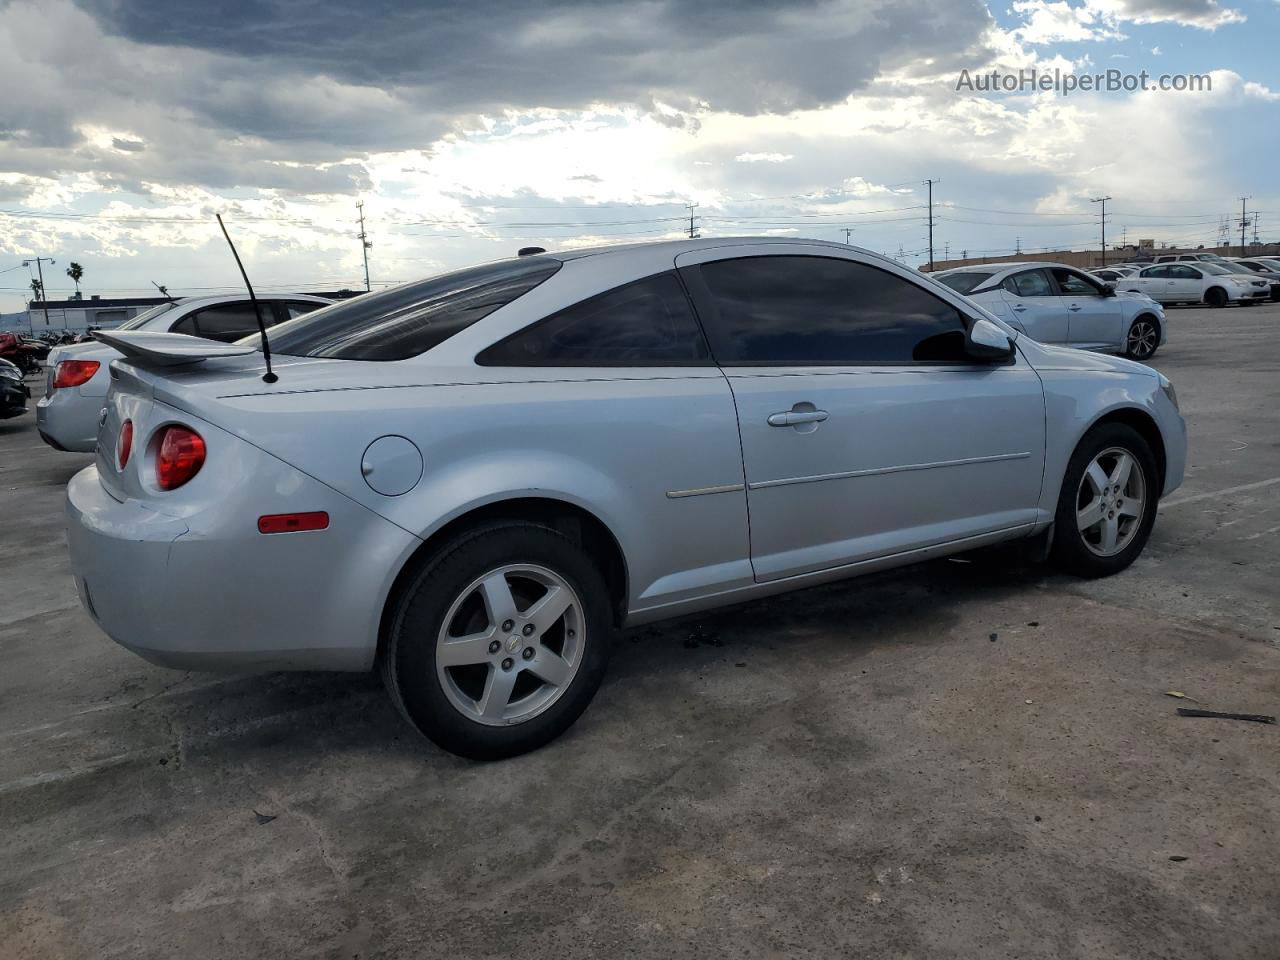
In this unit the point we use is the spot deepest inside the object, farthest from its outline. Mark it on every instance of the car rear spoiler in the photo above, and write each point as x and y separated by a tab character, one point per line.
168	349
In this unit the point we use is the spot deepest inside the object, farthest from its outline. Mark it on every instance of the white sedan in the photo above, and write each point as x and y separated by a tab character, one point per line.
1058	304
67	416
1202	282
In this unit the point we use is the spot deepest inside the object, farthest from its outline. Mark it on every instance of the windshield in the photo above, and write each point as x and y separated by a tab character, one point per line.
146	315
1216	269
1235	267
409	319
964	282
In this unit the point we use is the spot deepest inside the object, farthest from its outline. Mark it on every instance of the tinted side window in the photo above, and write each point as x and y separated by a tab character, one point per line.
229	321
1184	273
1032	283
1155	273
1074	285
412	318
646	323
296	308
818	310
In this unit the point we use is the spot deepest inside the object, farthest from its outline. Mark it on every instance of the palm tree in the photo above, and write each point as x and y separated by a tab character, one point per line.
75	272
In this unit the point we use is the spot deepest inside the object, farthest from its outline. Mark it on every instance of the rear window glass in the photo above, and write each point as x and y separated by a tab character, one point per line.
412	318
964	282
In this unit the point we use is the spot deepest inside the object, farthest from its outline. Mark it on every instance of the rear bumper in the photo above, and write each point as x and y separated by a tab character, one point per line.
68	421
208	592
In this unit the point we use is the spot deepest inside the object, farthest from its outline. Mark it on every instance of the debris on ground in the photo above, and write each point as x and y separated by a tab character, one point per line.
1255	717
1033	623
1177	858
1180	695
263	817
994	637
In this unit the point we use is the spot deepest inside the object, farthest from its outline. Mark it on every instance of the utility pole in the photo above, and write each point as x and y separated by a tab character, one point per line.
946	252
1103	201
1017	247
1244	222
365	244
44	294
930	182
848	231
693	232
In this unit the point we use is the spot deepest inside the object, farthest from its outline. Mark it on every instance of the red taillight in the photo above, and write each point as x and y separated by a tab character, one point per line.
293	522
72	373
125	444
179	457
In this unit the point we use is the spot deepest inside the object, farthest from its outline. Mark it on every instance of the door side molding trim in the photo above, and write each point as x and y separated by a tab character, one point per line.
879	471
704	491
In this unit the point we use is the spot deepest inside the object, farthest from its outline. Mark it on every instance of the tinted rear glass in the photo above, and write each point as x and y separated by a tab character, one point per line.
964	282
412	318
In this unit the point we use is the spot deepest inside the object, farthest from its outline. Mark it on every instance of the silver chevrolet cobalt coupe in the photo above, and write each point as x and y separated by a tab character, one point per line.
469	481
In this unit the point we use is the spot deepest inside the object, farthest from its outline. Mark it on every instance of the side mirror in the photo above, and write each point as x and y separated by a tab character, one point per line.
1109	290
986	341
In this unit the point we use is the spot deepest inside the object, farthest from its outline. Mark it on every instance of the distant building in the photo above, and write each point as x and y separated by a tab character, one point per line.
82	314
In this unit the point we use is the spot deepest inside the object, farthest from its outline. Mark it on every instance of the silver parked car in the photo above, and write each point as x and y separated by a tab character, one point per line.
77	380
469	481
1054	303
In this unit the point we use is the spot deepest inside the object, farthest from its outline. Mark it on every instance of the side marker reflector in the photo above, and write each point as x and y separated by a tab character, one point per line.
293	522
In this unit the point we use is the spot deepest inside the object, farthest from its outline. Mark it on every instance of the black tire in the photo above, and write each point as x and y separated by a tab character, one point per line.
408	661
1143	339
1215	297
1070	550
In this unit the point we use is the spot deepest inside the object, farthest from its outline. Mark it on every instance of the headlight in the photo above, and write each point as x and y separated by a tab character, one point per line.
10	373
1169	392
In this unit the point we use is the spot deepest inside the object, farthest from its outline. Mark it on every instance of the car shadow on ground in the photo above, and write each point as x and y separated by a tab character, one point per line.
234	719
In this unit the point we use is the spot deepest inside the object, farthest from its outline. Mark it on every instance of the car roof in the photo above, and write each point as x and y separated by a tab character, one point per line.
677	247
994	268
216	298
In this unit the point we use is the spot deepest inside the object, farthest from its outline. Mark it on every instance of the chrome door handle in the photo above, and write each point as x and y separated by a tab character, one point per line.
791	418
1019	309
1074	306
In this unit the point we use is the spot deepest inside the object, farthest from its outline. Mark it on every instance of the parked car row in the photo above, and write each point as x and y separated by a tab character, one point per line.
1215	284
1057	304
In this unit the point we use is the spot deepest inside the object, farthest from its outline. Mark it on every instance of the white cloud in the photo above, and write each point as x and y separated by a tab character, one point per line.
763	157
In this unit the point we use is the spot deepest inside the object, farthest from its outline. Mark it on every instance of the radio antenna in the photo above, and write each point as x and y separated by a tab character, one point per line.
267	377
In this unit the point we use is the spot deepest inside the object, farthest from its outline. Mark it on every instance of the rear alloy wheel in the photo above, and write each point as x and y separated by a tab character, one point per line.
1107	505
1215	297
500	641
1143	339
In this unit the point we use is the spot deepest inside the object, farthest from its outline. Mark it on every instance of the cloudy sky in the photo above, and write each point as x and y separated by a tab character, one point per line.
472	127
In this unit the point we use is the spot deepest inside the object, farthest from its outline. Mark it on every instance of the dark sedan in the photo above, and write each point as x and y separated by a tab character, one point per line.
14	394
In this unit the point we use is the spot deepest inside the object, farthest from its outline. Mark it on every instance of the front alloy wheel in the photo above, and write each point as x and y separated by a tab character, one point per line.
1107	503
1143	339
1110	502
